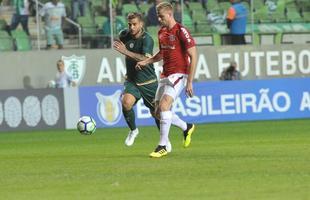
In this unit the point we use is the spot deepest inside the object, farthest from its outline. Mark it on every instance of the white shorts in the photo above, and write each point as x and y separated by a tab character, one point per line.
171	85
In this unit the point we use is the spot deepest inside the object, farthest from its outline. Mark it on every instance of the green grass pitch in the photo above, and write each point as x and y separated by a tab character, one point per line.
227	161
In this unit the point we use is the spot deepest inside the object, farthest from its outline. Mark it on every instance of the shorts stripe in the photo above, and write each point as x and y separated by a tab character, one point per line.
178	80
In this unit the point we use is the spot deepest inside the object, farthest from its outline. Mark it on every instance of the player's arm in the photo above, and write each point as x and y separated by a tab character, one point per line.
71	81
120	47
157	57
73	84
190	46
192	52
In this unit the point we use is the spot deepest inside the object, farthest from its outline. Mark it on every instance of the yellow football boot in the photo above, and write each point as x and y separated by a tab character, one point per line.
159	152
188	134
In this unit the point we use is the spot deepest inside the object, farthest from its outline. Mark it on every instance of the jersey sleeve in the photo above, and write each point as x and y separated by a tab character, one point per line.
148	44
186	39
64	14
124	35
69	78
63	10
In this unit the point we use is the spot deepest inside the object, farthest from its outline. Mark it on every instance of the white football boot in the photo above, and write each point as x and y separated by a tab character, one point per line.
130	139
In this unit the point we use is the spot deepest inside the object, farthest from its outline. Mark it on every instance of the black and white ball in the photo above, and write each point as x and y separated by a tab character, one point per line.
86	125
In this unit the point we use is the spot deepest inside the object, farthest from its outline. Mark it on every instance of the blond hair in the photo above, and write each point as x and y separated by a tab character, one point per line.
164	6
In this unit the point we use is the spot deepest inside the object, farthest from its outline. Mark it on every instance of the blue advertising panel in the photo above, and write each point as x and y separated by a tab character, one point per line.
214	101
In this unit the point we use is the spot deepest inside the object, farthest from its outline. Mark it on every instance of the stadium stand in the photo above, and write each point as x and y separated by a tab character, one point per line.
88	26
6	42
22	40
272	20
144	7
153	30
127	8
99	21
3	24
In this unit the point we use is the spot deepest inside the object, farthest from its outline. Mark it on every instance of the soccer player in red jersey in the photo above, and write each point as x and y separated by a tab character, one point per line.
179	54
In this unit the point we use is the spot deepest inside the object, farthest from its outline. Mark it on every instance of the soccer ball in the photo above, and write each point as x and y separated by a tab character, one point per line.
86	125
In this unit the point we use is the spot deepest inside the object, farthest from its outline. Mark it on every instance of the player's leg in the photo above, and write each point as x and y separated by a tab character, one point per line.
59	37
128	100
165	123
165	118
130	96
179	82
24	23
175	86
168	144
49	38
178	122
187	128
148	93
14	21
175	120
75	9
163	111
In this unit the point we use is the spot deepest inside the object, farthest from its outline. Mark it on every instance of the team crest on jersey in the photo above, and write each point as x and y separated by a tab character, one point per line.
131	45
109	108
75	67
171	38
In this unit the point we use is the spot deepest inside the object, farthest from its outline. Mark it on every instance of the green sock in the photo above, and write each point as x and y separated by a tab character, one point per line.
130	118
157	121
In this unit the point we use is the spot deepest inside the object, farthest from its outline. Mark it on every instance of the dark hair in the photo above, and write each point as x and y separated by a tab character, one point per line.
133	15
231	69
60	61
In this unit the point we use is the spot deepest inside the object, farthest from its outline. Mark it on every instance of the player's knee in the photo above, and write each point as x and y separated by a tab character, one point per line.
127	104
163	107
155	115
165	103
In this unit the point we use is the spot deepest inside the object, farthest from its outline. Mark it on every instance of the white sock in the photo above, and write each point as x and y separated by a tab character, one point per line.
165	123
178	122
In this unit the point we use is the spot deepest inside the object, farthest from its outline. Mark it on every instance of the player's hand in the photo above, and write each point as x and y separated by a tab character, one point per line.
189	89
140	65
119	46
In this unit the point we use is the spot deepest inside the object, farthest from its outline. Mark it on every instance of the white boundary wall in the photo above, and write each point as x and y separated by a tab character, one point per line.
105	66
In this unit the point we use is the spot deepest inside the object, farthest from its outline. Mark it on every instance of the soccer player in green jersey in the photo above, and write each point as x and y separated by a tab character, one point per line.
136	45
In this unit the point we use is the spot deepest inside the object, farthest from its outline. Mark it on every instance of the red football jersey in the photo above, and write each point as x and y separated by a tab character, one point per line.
173	45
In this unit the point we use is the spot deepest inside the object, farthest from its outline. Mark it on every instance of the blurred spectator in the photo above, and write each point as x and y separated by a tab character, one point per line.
62	79
79	8
117	24
231	72
117	5
177	11
105	6
21	15
27	82
204	4
102	9
53	12
152	19
236	21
